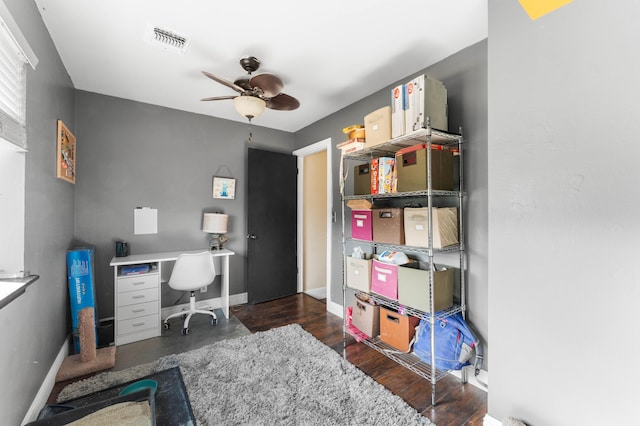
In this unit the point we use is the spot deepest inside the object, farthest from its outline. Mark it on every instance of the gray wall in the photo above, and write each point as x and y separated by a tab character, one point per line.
465	76
132	154
34	326
563	220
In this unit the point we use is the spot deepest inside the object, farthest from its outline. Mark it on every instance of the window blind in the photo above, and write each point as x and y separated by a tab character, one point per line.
12	90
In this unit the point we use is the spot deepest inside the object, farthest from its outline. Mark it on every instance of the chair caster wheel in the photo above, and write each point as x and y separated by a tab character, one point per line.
167	325
185	331
214	321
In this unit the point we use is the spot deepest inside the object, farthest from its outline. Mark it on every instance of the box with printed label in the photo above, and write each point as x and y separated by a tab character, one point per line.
366	318
445	226
388	225
80	277
385	174
413	286
377	126
396	329
384	279
411	168
362	225
398	106
358	274
426	97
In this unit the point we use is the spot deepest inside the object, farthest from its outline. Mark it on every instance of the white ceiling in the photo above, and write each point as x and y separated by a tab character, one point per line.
328	53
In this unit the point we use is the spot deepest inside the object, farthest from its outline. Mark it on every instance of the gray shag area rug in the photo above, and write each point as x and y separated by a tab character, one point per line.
283	376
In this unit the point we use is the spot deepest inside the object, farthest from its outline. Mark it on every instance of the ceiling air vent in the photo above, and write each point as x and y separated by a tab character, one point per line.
167	39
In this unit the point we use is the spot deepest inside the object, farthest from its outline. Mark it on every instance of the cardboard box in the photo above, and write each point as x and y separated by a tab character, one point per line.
385	174
413	286
80	277
373	176
362	179
398	107
362	225
426	97
445	226
397	330
388	225
377	126
411	169
358	273
384	279
360	204
366	318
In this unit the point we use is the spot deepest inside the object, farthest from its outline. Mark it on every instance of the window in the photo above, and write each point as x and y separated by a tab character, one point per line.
15	53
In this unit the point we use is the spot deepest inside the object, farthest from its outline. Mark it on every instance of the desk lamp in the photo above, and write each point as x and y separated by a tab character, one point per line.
216	225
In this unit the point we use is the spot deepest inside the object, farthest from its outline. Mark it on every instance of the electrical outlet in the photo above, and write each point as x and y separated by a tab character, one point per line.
203	289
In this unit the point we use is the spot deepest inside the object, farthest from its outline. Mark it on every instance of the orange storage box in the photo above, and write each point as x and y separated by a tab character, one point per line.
397	329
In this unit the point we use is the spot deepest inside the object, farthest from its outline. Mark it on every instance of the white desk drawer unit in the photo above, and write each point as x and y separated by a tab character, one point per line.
137	307
137	282
137	296
137	310
134	325
137	300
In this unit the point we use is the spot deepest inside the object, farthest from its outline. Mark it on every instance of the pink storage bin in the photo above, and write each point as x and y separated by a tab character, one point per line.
384	279
361	225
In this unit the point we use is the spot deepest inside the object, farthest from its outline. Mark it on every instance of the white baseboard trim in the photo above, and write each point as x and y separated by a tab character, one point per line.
216	302
490	421
472	379
49	381
318	293
335	308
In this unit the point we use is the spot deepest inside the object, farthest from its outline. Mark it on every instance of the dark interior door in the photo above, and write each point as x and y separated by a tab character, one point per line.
271	225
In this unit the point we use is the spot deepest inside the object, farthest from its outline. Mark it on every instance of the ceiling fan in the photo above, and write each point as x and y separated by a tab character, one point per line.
255	92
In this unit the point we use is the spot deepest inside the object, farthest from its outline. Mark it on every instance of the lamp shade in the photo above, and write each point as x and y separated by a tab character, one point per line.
249	106
215	223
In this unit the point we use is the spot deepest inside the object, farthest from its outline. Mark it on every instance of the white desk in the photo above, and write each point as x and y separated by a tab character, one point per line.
137	299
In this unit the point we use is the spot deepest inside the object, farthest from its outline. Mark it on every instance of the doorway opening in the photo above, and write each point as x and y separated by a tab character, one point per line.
315	218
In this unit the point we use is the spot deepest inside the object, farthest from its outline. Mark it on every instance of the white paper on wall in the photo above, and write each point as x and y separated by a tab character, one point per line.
145	220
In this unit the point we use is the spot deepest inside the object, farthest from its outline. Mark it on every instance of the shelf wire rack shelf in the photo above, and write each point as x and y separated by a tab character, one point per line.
407	360
438	137
406	249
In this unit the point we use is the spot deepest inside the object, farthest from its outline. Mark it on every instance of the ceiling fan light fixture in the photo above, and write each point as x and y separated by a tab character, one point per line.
249	106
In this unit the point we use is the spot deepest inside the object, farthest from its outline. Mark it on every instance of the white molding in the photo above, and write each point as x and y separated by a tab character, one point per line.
490	421
18	37
335	308
49	381
318	293
323	145
216	302
483	377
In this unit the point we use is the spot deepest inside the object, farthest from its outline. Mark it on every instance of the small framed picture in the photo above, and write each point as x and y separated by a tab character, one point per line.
224	188
66	154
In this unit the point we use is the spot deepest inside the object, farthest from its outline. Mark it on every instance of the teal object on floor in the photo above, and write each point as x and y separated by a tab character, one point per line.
139	385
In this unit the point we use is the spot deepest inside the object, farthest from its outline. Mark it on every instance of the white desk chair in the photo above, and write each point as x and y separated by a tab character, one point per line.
191	272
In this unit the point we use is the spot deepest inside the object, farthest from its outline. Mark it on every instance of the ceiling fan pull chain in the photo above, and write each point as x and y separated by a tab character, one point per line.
250	132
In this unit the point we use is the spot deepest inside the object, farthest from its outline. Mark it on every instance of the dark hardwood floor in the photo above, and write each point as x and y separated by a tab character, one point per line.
456	404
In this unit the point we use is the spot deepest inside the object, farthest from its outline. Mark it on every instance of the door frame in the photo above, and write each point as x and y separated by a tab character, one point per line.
323	145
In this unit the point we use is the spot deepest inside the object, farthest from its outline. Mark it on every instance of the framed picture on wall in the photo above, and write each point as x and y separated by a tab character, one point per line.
224	188
66	154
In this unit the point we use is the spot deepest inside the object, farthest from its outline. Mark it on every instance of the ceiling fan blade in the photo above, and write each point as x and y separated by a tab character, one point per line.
224	82
270	84
217	98
283	102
